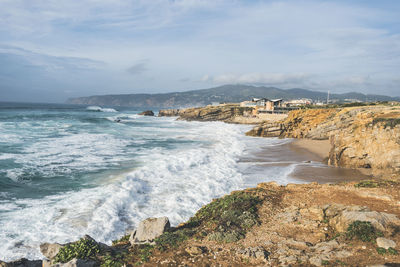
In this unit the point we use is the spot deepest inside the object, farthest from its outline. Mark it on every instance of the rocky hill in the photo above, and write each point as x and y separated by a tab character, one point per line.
225	93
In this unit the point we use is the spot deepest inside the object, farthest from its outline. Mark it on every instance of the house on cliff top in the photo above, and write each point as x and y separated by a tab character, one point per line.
263	104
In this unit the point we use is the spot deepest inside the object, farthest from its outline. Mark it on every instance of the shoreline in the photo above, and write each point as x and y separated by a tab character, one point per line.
319	148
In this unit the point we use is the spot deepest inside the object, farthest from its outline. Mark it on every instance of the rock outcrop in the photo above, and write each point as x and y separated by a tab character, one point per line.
148	230
22	263
50	250
168	113
225	113
147	113
360	137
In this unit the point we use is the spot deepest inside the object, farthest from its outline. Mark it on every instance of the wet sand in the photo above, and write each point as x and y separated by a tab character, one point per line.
320	148
303	159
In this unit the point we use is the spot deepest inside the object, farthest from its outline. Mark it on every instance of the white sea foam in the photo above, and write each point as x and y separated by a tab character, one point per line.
173	182
83	151
97	108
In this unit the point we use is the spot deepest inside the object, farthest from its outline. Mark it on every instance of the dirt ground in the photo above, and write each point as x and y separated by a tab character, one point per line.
294	232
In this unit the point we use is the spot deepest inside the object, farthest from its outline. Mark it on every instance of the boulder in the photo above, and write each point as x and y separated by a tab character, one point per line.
50	250
149	229
195	250
379	220
76	263
385	243
22	263
147	113
258	253
340	217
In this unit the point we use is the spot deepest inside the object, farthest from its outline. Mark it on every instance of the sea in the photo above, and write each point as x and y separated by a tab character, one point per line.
67	171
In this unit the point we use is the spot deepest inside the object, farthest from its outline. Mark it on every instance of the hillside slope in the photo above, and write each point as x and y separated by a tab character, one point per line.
225	93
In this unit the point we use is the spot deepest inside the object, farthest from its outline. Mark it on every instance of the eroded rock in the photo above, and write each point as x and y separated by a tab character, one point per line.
258	253
385	243
149	229
50	250
343	218
147	113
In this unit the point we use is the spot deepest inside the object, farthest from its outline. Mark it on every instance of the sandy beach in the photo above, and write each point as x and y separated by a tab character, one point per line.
320	148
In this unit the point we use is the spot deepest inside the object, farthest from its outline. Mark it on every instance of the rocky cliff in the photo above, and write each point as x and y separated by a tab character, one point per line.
360	137
225	113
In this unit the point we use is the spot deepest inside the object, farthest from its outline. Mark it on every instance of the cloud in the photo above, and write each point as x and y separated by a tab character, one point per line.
335	45
137	68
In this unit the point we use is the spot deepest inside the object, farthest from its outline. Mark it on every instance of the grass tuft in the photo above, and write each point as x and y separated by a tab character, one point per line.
83	249
363	231
229	217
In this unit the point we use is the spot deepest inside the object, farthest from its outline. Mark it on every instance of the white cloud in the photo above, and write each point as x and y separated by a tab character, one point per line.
315	44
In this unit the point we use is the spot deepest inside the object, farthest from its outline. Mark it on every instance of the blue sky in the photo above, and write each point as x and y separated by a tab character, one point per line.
53	50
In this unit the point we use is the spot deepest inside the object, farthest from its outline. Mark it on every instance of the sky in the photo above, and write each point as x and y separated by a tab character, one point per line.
51	50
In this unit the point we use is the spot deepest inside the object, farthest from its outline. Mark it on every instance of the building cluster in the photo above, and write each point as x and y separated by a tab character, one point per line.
276	105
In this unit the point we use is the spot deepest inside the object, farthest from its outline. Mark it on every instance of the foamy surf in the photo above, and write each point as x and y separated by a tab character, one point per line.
100	109
79	173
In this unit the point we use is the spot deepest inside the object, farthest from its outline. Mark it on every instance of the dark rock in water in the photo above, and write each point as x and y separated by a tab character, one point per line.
149	229
22	263
147	113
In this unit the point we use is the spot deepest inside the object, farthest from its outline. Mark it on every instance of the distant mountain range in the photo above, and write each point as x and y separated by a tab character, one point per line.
225	93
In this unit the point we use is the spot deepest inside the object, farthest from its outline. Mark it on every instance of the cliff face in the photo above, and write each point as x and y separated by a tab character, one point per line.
225	113
361	137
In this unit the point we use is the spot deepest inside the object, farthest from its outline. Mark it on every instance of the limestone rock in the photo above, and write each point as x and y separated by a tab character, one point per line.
76	263
258	253
314	213
360	137
147	113
149	229
168	113
50	250
385	243
379	220
195	250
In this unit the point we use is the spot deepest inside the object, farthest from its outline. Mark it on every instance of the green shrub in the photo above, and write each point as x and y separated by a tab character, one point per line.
392	251
229	217
123	239
387	122
144	253
381	251
173	239
373	183
367	183
116	260
363	231
82	249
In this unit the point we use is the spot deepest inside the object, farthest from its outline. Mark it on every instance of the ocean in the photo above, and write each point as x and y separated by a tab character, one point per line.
67	171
